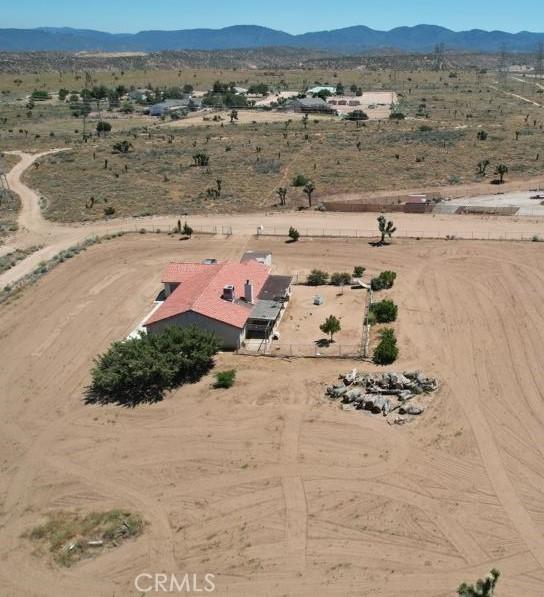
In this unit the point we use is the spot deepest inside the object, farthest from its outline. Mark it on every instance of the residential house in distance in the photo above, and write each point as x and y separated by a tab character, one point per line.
236	301
307	105
171	106
320	88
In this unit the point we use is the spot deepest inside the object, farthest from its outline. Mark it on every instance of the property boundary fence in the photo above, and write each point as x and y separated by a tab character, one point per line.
345	233
278	349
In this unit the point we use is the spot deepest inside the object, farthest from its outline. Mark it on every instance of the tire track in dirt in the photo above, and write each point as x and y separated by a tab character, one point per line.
463	357
296	507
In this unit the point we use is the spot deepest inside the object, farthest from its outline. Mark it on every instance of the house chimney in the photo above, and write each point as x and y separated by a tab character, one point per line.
228	293
248	291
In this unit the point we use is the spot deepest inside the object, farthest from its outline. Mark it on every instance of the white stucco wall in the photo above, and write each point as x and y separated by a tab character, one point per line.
230	335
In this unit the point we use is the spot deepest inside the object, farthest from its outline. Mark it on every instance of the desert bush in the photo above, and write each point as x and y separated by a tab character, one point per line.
382	281
340	278
300	180
294	234
358	271
387	350
139	370
317	277
109	210
385	311
186	230
225	379
103	127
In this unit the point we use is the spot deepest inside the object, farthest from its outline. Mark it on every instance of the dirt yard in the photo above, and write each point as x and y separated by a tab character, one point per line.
300	324
268	485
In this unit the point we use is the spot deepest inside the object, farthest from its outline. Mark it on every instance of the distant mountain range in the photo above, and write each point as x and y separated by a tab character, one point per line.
421	38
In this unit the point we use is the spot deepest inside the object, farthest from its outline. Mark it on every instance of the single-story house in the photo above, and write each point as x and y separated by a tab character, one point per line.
168	106
139	95
307	105
321	88
234	300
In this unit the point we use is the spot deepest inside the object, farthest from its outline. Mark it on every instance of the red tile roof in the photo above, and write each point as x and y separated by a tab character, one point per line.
201	287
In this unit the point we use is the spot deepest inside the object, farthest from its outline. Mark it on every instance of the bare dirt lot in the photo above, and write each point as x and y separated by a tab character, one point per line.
268	485
300	324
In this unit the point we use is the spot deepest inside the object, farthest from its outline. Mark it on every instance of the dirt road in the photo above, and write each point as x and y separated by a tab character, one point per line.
36	230
268	485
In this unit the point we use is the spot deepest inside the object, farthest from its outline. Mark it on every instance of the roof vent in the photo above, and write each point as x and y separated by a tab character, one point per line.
228	293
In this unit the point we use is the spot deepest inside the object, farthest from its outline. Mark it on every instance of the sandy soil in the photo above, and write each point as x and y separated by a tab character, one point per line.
244	117
267	485
300	324
34	229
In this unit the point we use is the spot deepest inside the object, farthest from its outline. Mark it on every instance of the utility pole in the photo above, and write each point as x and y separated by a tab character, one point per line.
539	67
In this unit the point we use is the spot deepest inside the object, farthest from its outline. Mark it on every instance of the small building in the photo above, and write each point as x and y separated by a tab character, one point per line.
169	106
321	88
307	105
260	256
234	300
139	95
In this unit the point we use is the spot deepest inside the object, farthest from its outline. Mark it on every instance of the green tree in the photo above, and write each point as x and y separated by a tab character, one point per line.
340	278
281	192
141	369
330	326
103	127
384	311
300	180
358	271
500	171
483	588
382	281
122	146
482	167
386	352
309	188
293	234
317	277
386	228
201	158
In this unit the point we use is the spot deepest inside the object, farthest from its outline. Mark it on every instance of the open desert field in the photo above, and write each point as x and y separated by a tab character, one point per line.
436	148
268	485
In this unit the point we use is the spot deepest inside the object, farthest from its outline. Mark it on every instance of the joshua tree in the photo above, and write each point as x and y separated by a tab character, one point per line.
282	194
308	190
305	121
501	170
219	182
482	166
233	115
330	326
483	588
386	227
201	159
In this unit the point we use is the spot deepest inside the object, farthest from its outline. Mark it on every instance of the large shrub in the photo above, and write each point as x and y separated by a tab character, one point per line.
384	280
384	311
300	180
317	277
340	278
387	350
141	369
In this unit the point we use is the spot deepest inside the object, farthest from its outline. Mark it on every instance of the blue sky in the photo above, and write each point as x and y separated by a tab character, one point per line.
288	15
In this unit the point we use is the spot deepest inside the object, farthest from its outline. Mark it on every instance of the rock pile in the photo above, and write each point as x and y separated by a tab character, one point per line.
382	392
